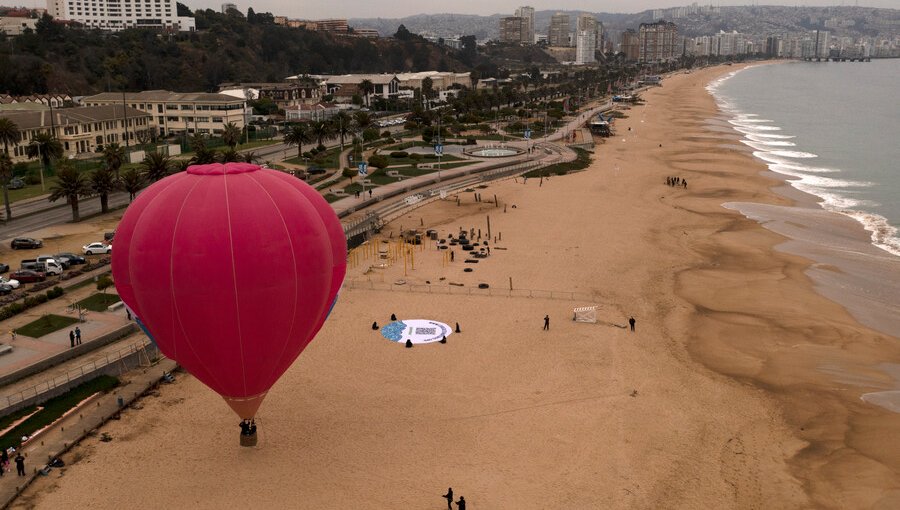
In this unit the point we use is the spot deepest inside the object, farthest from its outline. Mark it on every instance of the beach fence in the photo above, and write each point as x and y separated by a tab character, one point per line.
138	354
454	290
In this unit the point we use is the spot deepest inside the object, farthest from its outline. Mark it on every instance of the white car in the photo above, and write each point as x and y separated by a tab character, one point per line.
96	248
12	283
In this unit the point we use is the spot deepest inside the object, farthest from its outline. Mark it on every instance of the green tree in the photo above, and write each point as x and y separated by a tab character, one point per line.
322	130
70	185
379	161
343	126
367	87
9	133
6	173
103	183
249	157
132	182
156	165
229	156
231	135
202	154
114	157
298	135
44	146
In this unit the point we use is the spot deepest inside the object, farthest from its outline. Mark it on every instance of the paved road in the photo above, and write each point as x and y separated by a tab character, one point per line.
56	215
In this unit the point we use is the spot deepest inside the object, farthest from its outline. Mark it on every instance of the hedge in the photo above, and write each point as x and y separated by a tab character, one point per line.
30	302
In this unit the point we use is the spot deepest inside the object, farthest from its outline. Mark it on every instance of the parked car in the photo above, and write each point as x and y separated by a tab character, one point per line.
28	276
12	283
96	248
73	259
4	267
5	289
25	242
315	170
47	266
64	263
15	183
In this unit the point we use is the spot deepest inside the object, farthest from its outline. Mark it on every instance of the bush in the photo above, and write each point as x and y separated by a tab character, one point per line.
415	156
471	141
30	302
104	282
387	136
399	154
55	292
350	172
379	161
32	178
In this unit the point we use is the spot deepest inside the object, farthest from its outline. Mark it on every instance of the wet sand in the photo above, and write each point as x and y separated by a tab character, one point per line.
739	389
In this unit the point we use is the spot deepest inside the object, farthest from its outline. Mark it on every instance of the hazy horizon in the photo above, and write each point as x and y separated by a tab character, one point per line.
318	9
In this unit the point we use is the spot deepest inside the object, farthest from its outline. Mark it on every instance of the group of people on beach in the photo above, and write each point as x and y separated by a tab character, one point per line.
19	459
676	181
449	497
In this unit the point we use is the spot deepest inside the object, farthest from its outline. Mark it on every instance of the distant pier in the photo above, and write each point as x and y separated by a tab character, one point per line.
838	59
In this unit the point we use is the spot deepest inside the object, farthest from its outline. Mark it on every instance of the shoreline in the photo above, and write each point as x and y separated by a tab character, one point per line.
848	265
738	389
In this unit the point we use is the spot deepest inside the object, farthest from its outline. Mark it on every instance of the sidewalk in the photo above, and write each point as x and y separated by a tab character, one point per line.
77	425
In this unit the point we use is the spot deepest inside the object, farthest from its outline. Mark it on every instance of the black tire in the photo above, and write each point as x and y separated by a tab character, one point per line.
89	253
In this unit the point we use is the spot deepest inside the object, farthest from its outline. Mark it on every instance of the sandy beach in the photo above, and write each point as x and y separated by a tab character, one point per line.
740	387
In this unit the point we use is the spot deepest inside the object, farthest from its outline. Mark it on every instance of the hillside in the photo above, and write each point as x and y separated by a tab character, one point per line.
226	48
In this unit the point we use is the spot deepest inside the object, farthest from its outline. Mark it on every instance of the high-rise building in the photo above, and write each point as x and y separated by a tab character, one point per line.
511	29
821	44
657	41
114	15
527	14
558	34
585	46
630	44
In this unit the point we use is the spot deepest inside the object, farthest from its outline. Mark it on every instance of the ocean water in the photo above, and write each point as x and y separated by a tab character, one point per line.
833	130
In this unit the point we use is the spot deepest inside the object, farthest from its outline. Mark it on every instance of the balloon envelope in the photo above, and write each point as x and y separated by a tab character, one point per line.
232	268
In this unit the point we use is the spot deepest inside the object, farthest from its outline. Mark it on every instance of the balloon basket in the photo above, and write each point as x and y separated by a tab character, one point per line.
248	440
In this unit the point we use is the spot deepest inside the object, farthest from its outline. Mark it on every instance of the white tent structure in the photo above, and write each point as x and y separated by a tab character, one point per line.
586	314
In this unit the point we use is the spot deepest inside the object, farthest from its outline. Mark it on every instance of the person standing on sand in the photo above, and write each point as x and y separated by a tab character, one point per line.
631	323
20	464
461	503
449	498
546	323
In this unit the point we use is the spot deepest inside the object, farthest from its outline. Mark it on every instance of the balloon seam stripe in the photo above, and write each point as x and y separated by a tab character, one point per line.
237	301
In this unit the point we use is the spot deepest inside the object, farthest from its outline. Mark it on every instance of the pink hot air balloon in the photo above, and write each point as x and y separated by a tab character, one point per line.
232	269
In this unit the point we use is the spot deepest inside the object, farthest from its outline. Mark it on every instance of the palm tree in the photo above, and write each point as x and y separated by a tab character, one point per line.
362	120
342	125
44	146
9	133
366	87
70	185
6	173
229	156
156	165
132	181
322	130
231	135
298	135
202	155
180	165
114	157
250	157
103	183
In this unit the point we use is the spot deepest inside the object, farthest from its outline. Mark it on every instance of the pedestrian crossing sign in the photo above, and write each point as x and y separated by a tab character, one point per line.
363	168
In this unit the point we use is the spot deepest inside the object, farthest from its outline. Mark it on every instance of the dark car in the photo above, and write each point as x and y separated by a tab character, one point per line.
27	276
25	242
5	289
315	170
72	259
3	267
108	236
15	183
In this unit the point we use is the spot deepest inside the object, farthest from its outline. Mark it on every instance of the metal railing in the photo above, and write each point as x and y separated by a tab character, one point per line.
77	375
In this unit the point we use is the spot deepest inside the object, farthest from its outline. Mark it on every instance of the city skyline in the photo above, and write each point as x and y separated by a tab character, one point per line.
363	9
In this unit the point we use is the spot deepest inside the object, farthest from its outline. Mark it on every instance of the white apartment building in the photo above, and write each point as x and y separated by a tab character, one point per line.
115	15
585	46
176	112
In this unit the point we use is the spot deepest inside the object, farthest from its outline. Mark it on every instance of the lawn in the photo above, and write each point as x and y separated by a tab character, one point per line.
54	408
581	162
46	324
99	302
328	159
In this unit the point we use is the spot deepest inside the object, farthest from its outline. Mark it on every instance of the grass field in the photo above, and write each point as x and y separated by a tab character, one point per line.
46	324
99	301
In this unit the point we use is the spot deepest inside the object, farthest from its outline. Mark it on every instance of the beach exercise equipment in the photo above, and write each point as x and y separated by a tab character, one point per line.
187	260
585	314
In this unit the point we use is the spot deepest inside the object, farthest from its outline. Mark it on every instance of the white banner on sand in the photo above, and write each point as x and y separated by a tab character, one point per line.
418	331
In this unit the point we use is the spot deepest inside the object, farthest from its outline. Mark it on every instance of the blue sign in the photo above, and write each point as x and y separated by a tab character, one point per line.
363	168
527	134
438	149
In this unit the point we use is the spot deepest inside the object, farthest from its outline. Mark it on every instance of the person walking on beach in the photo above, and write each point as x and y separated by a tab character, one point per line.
631	323
71	338
449	498
20	464
461	503
546	323
77	335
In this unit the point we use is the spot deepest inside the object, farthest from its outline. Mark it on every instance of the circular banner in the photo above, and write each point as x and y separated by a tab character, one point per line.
418	331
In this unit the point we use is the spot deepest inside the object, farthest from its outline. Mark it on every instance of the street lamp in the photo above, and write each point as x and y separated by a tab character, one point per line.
41	160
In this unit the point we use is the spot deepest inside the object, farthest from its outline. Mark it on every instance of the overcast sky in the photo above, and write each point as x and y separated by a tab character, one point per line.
317	9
